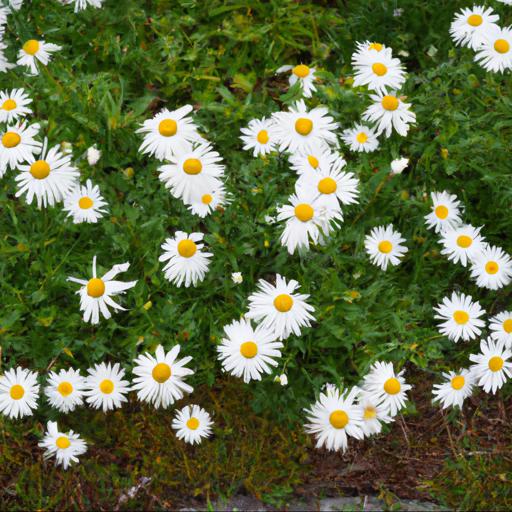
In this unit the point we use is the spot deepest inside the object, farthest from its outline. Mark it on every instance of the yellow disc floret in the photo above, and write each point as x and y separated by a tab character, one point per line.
302	71
9	105
283	303
392	386
106	386
507	325
464	241
361	137
327	186
303	126
475	20
458	382
389	102
262	137
441	212
63	442
313	161
193	423
161	372
370	413
379	69
207	199
85	203
249	349
65	388
40	169
461	317
17	392
187	248
491	267
10	139
95	287
338	419
31	46
375	46
496	363
192	166
385	246
304	212
502	46
168	127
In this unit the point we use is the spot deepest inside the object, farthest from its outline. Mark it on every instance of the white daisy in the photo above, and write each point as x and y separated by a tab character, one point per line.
105	386
187	262
360	138
460	317
445	212
461	243
96	293
36	50
167	132
193	170
334	417
248	352
160	377
455	389
365	48
384	246
303	130
398	165
19	392
386	387
49	178
279	308
192	424
492	268
13	105
471	26
493	367
389	112
80	5
65	447
214	199
495	53
373	414
321	158
85	203
259	137
17	145
65	390
501	328
93	155
303	74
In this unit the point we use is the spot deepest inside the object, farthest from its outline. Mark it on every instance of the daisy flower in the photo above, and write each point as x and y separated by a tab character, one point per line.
456	387
248	352
460	317
65	447
461	243
386	387
13	105
80	5
360	138
5	65
398	165
105	386
492	268
321	158
303	130
384	246
445	212
167	132
85	203
65	390
33	51
303	74
19	392
389	112
160	377
471	26
279	308
93	155
373	413
17	145
193	170
365	48
501	328
214	199
192	424
49	178
187	264
259	137
495	53
96	293
334	417
492	367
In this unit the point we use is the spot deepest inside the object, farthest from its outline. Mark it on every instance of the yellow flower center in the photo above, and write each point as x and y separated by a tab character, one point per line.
63	442
161	372
17	392
441	212
10	139
65	388
389	102
207	199
168	127
392	386
361	137
262	137
106	386
85	203
95	287
385	246
458	382
338	419
370	413
379	69
302	71
327	186
187	248
464	241
9	104
313	161
303	126
475	20
375	46
304	212
249	349
496	363
192	166
40	169
491	267
460	317
193	423
501	46
31	46
283	303
507	325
